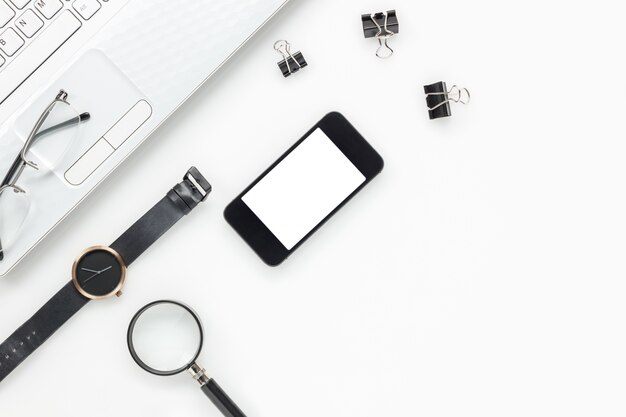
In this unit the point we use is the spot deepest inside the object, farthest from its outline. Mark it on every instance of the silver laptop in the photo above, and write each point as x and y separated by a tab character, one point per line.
103	75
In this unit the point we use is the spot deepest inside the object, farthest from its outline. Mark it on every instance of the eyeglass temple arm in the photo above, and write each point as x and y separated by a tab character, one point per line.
71	122
18	160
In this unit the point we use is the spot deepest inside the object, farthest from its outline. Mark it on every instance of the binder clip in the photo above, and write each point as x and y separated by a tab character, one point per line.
381	26
438	99
291	63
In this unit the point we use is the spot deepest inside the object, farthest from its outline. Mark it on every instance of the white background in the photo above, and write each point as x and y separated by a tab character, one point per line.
482	274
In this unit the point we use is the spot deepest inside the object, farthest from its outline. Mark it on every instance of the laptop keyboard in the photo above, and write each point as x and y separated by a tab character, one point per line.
32	30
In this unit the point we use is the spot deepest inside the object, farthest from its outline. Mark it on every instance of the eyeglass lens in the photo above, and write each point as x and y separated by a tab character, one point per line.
22	148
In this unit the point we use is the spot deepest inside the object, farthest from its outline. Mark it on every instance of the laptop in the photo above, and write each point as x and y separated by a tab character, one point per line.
126	64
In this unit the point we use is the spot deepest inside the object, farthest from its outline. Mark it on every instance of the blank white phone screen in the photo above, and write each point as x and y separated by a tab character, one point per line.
303	189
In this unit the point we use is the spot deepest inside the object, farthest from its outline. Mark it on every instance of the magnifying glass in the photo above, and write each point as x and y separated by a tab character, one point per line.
165	338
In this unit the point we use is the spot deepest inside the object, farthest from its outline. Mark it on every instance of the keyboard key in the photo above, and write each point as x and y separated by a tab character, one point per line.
38	52
6	14
2	61
20	3
48	8
29	23
86	8
10	42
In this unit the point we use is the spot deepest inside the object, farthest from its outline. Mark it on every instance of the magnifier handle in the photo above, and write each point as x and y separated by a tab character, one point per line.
221	400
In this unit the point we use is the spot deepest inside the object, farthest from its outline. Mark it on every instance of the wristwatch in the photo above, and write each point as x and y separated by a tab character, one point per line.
99	272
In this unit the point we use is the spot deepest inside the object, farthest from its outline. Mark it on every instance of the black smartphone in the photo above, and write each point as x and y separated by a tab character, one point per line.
299	192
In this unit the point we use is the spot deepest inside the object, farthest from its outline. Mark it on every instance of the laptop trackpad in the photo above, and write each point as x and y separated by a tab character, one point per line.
117	108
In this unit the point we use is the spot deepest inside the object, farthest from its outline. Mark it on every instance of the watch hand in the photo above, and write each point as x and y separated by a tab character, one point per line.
89	270
96	274
91	277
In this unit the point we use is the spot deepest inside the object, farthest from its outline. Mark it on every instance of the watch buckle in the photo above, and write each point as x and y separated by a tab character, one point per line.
198	182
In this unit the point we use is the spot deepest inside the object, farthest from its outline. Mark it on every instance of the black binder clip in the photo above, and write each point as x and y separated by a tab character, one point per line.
438	99
381	26
291	63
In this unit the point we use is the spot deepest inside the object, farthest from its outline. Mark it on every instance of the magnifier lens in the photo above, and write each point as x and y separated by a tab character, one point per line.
166	337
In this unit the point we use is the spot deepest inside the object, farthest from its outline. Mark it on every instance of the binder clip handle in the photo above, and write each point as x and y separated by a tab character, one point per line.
454	94
383	35
283	47
291	63
439	97
382	26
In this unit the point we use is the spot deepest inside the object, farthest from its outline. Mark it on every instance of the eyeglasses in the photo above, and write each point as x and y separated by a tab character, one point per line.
43	150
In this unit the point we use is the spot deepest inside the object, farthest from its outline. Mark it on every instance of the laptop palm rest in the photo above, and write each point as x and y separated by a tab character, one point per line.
116	106
118	110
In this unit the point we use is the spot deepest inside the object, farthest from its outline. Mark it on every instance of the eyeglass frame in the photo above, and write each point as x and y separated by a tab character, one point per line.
19	165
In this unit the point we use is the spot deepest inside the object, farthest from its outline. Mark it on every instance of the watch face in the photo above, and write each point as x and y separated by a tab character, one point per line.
99	272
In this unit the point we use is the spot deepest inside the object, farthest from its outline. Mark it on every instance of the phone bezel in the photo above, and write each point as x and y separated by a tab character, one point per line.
252	230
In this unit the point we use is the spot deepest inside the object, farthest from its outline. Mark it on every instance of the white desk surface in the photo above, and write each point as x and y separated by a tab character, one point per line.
482	274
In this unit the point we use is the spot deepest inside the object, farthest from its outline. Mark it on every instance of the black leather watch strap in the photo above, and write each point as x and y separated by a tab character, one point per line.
39	328
178	202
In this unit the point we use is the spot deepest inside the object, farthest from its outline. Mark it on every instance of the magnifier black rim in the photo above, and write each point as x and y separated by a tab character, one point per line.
131	347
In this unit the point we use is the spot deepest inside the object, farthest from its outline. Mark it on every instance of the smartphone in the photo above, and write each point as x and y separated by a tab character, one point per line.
304	188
